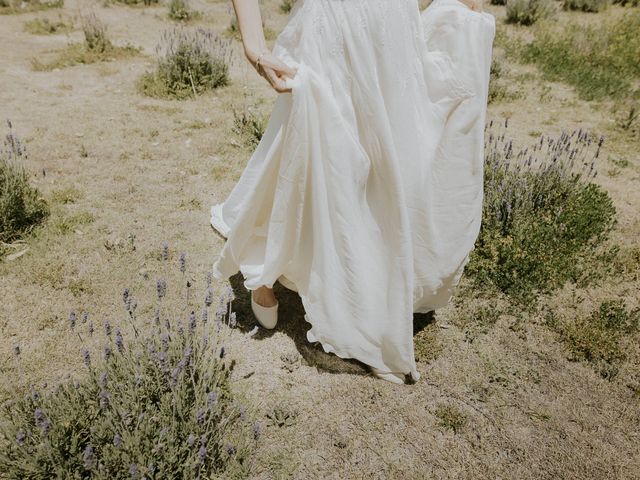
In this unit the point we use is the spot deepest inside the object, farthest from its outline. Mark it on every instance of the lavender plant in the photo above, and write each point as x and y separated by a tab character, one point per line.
21	206
585	5
156	403
544	221
527	12
95	34
181	11
190	62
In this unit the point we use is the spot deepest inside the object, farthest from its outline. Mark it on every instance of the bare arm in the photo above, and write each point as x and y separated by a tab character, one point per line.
255	45
250	24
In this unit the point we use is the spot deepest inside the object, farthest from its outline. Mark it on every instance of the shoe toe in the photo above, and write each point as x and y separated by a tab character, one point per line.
266	316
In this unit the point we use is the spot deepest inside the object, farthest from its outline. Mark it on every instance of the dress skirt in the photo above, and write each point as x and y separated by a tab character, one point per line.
366	188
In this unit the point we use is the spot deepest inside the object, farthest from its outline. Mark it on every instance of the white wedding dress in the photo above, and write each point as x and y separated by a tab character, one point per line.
366	188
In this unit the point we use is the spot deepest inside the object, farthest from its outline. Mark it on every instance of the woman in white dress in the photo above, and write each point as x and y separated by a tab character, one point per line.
365	192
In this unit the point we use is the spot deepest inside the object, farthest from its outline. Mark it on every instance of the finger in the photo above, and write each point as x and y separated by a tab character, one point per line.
278	65
276	82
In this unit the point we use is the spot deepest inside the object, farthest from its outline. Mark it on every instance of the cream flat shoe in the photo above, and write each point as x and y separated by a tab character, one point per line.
266	316
388	376
286	283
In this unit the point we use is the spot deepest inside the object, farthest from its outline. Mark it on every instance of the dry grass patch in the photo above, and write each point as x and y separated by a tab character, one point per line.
8	7
46	26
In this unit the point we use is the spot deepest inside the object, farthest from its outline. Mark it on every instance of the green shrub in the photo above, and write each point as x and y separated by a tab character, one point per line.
157	402
527	12
249	126
286	5
190	62
96	48
181	11
21	206
25	6
544	223
585	5
600	61
44	26
598	338
631	3
95	34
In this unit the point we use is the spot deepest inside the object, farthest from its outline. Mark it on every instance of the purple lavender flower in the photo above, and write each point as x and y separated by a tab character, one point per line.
107	352
89	458
85	317
86	357
183	261
119	341
72	319
103	397
133	471
165	250
161	287
91	328
212	397
200	415
107	328
103	380
20	437
208	298
191	439
125	296
164	339
45	425
231	295
16	350
230	449
232	320
156	317
202	453
192	321
209	278
256	431
117	440
205	315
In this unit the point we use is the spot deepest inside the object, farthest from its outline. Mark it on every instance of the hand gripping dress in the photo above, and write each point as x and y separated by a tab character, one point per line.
366	188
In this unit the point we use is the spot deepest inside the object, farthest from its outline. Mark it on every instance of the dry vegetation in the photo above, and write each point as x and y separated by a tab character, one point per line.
513	388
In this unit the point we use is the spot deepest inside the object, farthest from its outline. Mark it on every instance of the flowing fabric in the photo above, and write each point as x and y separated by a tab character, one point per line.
366	188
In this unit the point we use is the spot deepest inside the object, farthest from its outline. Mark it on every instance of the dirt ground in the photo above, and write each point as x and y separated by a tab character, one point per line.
128	172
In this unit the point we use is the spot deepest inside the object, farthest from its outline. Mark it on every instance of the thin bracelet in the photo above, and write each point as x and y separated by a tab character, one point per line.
260	56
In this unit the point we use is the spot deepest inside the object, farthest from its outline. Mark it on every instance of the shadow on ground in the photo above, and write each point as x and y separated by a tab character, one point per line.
291	322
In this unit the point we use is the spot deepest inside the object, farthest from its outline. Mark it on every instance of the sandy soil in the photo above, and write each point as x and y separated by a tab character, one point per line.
149	169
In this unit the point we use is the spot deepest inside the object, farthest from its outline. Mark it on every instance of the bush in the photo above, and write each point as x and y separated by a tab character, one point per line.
498	2
527	12
544	223
286	5
179	10
598	338
96	48
249	126
44	26
157	404
95	34
24	6
585	5
189	64
600	61
21	206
